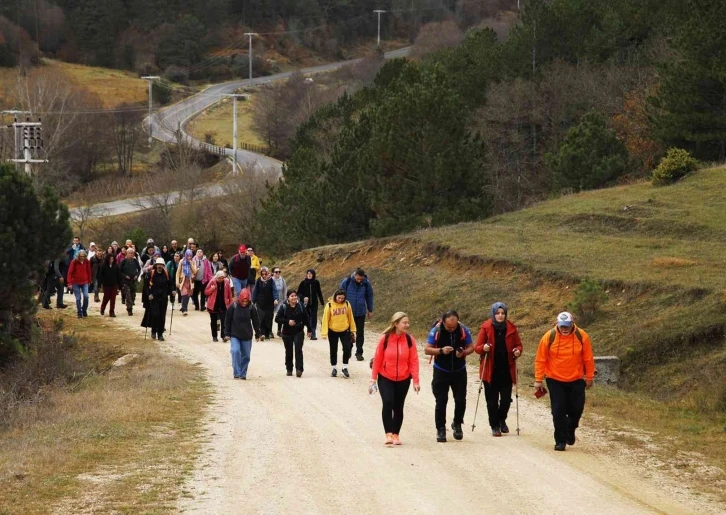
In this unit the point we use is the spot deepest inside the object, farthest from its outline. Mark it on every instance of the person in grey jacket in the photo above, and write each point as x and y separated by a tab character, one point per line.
281	286
239	323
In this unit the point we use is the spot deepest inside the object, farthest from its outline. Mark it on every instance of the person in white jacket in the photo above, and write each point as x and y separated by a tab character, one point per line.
281	286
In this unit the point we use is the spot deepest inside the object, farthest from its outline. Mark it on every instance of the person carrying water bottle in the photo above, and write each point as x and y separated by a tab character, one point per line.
394	365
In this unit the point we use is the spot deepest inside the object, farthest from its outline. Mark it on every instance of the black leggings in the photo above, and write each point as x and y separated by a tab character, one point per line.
344	337
214	317
498	394
393	394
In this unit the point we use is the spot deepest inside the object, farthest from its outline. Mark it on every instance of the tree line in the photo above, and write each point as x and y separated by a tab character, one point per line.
575	95
176	37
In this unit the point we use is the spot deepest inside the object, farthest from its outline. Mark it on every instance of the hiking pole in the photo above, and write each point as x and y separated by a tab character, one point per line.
146	331
481	385
171	321
516	391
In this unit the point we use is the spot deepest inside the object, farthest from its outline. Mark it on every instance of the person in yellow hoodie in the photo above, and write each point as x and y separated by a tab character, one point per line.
338	325
565	358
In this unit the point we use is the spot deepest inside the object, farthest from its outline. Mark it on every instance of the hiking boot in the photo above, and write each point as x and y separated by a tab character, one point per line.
345	372
279	334
289	372
458	433
243	378
62	306
504	428
47	307
334	373
441	434
85	314
560	446
396	440
571	439
314	338
161	337
215	340
389	438
359	357
496	431
103	311
112	314
80	315
153	335
131	313
96	299
299	373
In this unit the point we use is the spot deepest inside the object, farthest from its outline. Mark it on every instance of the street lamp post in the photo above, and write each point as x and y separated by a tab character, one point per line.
379	12
249	54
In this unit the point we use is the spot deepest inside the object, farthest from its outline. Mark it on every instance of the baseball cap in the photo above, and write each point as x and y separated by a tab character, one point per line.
564	319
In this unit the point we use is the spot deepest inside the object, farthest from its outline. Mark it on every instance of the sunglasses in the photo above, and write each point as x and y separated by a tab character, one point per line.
276	272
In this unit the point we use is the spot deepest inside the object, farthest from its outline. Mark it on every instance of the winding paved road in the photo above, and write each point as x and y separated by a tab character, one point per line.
176	116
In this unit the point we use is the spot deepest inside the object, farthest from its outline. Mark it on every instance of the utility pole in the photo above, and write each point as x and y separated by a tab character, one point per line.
28	141
249	54
234	96
151	79
379	12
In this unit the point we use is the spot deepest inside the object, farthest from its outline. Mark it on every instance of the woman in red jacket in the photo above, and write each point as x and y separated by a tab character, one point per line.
394	365
219	298
499	341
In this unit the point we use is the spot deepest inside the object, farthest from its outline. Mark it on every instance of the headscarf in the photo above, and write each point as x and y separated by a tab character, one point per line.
244	295
186	265
495	307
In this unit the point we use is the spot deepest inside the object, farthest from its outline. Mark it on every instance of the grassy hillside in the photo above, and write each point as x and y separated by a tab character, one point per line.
218	119
658	252
113	87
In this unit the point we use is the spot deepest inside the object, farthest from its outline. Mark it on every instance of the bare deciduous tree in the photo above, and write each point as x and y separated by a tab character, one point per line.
435	36
126	131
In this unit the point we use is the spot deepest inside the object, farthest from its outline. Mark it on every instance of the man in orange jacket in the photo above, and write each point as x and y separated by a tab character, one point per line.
564	357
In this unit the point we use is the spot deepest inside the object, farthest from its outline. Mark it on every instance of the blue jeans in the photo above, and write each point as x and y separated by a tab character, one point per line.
240	351
77	290
238	285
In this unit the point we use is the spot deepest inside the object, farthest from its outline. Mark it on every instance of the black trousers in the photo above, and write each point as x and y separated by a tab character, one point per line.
198	294
294	343
266	315
344	338
360	324
440	385
498	394
214	318
568	403
393	395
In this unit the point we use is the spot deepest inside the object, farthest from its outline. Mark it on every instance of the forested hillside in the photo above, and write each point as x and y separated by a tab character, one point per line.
577	95
177	37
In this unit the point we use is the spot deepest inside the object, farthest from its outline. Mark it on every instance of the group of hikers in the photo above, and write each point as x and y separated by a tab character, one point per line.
245	299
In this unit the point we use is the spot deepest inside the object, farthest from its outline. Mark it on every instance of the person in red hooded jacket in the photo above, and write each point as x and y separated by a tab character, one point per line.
499	341
79	277
394	365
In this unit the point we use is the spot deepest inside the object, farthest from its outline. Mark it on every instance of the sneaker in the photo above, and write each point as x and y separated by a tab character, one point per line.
161	337
441	434
279	334
131	313
102	312
314	338
345	372
396	440
153	335
243	378
184	313
458	433
571	439
270	337
236	377
196	308
334	373
85	314
47	307
289	372
299	373
560	446
359	357
215	340
389	438
504	427
496	431
112	315
80	315
62	306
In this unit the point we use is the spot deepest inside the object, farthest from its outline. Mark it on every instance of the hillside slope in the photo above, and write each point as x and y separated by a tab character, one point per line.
658	252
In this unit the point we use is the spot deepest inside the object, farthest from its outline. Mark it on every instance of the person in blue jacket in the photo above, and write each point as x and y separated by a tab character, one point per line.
359	292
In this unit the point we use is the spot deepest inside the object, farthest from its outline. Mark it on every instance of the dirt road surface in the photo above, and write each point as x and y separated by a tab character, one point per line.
278	444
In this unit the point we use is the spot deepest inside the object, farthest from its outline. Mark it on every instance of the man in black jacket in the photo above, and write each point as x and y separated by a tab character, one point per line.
294	318
129	270
266	299
240	321
311	295
54	279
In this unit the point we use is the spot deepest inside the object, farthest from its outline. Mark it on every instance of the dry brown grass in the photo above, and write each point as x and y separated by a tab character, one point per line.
218	119
118	440
671	262
113	87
